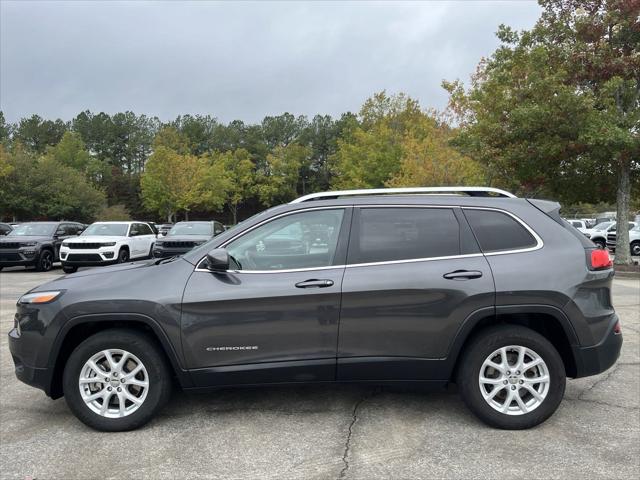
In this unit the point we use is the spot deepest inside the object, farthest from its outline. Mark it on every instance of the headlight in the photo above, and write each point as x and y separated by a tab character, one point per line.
29	244
109	244
65	244
40	297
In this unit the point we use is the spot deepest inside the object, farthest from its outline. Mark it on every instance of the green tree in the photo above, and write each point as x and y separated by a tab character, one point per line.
36	133
42	187
277	180
70	151
5	129
556	109
170	182
240	175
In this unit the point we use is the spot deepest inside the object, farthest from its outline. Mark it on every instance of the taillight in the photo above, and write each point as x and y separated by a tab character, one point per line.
617	328
600	259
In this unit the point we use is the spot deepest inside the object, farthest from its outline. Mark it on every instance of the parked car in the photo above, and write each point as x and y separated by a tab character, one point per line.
154	228
184	236
581	225
493	292
5	228
105	243
598	234
164	228
36	244
634	240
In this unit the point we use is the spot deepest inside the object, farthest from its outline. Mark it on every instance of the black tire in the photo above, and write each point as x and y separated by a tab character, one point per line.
123	255
602	244
138	344
635	248
69	269
45	261
481	347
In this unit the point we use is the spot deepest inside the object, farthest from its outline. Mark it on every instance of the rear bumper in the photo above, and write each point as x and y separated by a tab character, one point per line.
597	358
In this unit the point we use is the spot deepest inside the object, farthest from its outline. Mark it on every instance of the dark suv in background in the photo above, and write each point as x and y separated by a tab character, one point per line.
184	236
495	293
36	244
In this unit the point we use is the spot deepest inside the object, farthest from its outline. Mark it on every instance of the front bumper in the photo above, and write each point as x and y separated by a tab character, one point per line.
34	376
18	257
169	252
597	358
88	258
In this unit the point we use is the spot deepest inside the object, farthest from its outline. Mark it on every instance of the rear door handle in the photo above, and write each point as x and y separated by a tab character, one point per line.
462	275
314	284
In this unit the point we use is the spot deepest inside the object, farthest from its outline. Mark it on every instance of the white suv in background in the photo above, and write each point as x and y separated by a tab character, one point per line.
104	243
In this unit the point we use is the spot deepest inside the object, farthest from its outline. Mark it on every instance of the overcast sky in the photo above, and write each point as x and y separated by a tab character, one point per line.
238	60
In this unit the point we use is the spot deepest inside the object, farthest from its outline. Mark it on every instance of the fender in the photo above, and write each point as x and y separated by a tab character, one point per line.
474	318
183	376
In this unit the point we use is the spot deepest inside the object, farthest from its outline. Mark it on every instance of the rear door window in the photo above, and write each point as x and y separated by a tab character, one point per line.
497	231
403	233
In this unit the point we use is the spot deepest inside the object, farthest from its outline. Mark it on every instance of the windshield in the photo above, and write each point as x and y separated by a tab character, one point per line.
107	229
34	229
187	228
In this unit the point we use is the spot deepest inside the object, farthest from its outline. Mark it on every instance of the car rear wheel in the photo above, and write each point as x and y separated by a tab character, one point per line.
511	377
45	261
635	248
116	380
123	255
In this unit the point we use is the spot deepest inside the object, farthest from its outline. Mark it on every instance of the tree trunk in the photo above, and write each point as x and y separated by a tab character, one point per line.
234	212
186	215
623	254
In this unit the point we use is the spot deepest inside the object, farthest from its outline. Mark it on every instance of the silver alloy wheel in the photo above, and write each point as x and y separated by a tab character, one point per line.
114	383
514	380
635	248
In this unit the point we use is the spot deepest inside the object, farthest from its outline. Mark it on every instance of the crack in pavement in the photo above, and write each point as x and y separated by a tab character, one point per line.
604	404
603	379
354	419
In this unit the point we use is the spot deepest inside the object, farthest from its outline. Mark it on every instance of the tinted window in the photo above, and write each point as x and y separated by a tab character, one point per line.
497	231
218	228
300	240
144	229
387	234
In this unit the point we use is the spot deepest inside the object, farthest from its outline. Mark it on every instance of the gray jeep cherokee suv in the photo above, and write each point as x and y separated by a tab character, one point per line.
474	286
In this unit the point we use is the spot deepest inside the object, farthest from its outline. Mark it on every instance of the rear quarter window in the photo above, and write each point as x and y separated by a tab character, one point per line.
497	231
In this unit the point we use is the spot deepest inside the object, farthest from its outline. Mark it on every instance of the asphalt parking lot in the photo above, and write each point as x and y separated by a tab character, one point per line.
326	432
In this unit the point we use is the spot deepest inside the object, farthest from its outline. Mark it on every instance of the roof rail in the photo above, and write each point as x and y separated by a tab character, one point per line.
471	191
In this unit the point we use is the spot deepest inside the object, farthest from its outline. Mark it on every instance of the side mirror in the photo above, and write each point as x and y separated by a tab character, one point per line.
218	260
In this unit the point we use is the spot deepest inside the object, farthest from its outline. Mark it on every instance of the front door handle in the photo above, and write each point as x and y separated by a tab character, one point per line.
314	284
462	275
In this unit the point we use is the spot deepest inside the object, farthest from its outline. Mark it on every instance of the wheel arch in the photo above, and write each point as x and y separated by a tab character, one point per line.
549	321
80	328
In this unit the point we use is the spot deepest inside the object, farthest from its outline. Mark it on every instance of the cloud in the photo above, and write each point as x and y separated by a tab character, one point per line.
238	60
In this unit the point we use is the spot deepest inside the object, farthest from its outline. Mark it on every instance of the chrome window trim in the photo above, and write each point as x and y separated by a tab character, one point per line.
538	246
539	243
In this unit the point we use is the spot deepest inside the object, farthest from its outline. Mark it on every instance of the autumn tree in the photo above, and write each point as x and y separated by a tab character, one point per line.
556	110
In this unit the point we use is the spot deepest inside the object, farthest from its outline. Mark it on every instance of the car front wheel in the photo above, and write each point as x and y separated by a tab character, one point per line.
45	261
511	377
116	380
123	255
69	269
635	248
